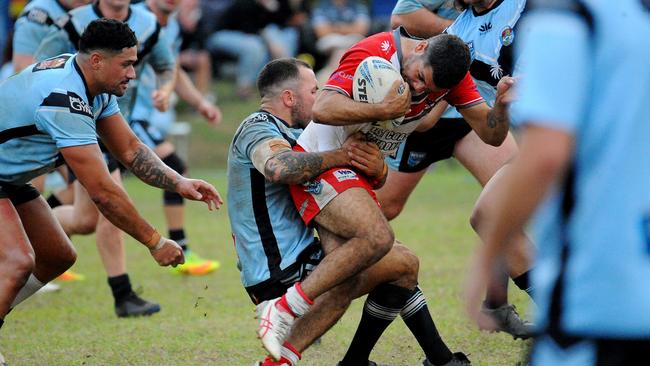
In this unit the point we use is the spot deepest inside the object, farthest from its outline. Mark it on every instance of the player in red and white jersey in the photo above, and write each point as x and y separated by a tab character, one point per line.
343	116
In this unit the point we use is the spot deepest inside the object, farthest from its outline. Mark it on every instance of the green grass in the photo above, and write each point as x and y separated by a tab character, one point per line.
209	320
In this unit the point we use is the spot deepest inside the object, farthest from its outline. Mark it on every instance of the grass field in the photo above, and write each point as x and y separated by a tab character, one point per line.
209	320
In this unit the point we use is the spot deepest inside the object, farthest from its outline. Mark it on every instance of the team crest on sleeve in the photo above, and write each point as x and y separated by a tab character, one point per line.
38	15
507	36
52	63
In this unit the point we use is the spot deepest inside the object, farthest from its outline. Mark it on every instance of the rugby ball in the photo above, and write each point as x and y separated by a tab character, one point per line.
373	79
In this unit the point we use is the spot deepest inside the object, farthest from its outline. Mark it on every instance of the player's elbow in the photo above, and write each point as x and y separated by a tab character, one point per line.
494	137
396	21
319	113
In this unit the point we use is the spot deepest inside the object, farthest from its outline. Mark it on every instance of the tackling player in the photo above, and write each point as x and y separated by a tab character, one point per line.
71	102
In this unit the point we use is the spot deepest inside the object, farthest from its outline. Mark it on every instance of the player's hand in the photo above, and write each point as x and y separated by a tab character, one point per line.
169	254
480	276
505	91
210	112
397	102
366	158
160	100
199	190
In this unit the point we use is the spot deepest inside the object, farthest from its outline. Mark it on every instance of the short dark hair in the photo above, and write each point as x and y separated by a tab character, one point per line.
449	58
277	72
460	5
107	34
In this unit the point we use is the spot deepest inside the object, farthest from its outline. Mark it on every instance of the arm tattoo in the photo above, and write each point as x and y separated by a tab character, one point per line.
294	168
494	120
148	167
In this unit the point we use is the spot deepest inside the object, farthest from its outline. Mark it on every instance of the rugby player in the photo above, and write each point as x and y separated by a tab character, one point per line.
83	217
584	167
71	101
275	248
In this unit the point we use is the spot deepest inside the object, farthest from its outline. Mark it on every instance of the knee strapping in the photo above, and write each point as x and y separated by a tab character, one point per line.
176	163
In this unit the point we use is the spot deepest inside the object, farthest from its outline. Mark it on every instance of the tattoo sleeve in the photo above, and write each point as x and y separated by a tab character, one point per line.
295	167
151	170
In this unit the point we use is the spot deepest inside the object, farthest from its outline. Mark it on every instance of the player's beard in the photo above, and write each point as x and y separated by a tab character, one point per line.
299	116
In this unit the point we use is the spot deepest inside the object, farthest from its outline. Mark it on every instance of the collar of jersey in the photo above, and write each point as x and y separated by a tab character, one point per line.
83	79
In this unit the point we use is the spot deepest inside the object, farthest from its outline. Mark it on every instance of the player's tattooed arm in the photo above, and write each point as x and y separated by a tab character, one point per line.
151	170
291	167
497	119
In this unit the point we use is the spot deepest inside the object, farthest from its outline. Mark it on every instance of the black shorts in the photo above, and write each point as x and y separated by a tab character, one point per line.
298	271
422	149
18	194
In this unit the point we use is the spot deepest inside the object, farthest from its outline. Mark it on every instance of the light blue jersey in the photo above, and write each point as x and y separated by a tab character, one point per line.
443	8
146	29
144	108
489	36
42	109
35	22
587	72
269	234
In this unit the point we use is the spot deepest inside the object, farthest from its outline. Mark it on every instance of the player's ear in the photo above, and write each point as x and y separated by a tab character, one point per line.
421	46
288	98
96	59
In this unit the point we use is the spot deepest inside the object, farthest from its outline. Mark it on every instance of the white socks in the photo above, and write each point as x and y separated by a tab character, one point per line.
297	300
31	286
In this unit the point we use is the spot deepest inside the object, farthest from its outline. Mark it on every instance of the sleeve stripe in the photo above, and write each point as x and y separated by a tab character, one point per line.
471	103
337	89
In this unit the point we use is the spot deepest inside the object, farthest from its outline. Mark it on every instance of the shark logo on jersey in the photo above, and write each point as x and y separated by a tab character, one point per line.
496	72
484	28
507	36
385	46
